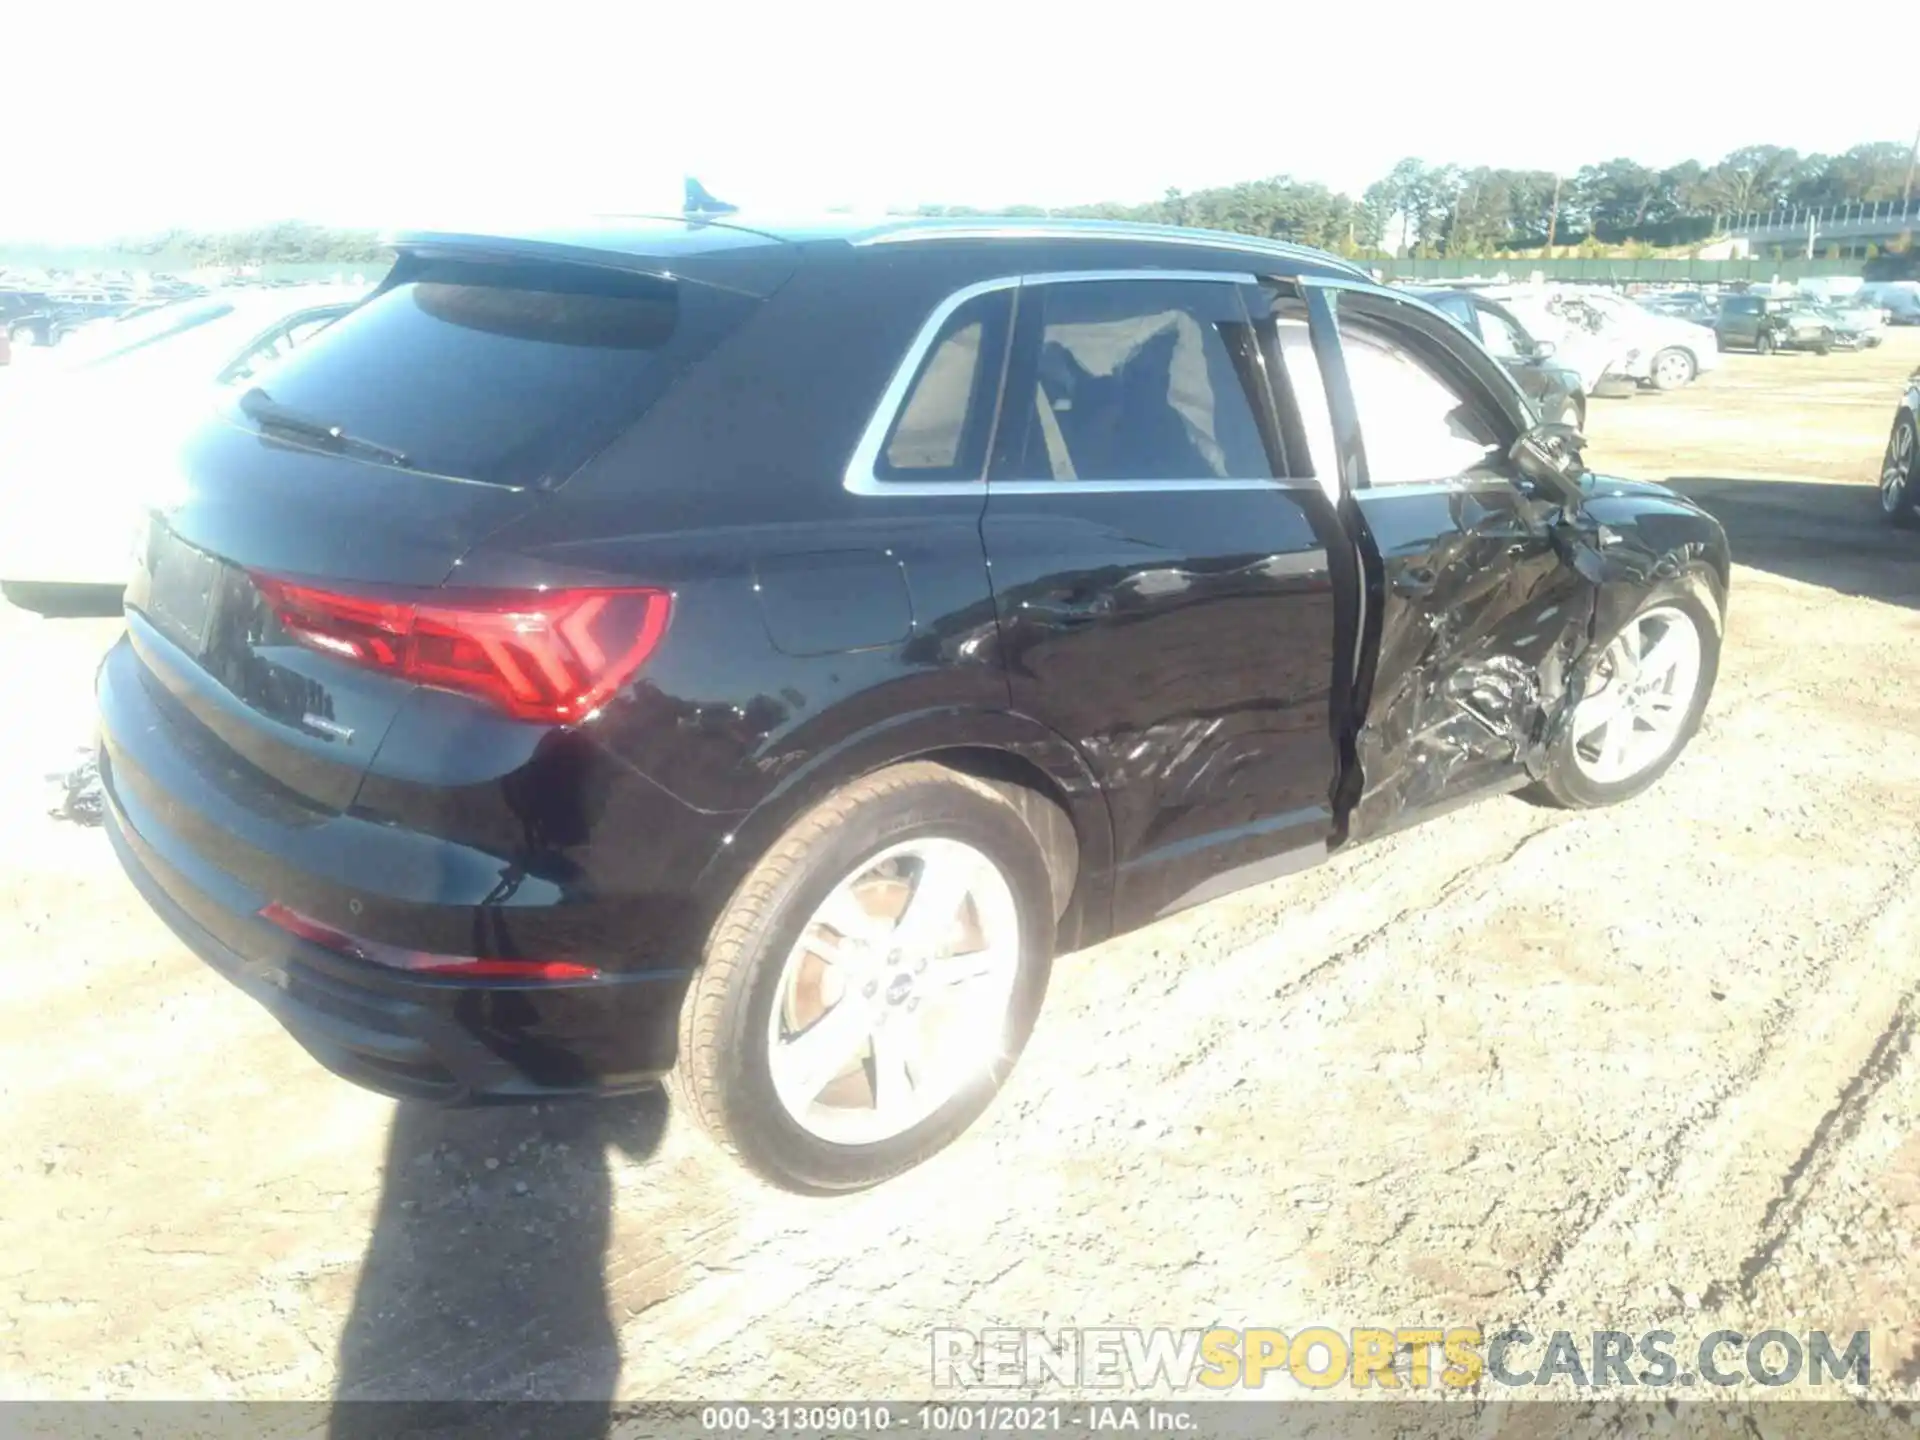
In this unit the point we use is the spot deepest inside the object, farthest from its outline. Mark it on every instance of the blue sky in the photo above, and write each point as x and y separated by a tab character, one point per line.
421	113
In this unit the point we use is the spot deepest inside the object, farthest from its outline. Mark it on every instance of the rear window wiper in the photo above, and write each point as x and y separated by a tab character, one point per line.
269	414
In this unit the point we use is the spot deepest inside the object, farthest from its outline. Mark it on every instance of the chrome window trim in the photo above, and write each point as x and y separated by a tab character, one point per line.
861	477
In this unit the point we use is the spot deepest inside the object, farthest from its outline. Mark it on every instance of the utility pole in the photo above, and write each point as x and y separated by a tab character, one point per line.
1553	215
1906	195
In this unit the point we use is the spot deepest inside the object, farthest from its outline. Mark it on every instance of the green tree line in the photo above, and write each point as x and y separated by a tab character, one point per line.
1433	210
287	242
1417	208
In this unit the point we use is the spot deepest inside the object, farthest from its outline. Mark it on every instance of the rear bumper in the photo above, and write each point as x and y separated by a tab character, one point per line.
455	1041
419	1040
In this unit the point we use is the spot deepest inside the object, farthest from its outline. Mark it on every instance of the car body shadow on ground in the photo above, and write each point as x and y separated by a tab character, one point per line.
485	1273
1818	532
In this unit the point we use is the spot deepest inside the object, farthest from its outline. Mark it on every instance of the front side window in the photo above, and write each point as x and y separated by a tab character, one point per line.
1417	422
1145	380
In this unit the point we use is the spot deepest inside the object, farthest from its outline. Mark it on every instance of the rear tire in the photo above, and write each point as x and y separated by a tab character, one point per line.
740	1008
1577	777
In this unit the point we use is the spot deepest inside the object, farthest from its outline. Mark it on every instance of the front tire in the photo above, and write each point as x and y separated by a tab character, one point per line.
1673	369
871	983
1764	344
1643	702
1900	475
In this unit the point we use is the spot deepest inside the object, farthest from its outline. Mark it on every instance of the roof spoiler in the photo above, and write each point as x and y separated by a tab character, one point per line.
674	248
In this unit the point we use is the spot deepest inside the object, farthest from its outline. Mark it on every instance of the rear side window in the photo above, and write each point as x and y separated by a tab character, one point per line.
1132	380
943	427
511	374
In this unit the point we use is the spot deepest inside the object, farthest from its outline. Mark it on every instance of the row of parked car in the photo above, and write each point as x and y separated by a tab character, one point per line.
1769	319
32	315
1566	343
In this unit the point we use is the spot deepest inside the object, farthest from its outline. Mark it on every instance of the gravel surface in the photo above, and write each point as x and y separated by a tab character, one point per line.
1646	1067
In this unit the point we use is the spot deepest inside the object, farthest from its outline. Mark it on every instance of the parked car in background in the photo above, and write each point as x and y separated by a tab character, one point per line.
1558	391
1900	299
57	315
83	437
1598	358
1689	305
1766	323
1900	470
1657	350
1855	326
515	722
25	317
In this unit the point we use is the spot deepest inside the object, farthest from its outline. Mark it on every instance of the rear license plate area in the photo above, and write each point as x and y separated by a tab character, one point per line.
182	584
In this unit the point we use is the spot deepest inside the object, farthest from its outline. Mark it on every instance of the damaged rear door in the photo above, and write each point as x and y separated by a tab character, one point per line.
1473	617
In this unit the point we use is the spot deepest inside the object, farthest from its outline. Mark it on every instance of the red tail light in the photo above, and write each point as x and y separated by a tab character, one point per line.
420	962
550	655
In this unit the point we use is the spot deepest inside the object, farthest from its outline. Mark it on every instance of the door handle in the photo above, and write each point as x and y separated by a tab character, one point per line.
1069	613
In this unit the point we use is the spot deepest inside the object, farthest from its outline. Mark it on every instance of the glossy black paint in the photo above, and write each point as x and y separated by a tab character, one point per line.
1213	684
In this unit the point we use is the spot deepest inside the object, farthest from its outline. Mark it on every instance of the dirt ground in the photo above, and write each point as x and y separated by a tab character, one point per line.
1641	1067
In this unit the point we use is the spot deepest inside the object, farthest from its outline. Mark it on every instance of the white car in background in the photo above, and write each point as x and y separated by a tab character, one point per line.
84	437
1638	345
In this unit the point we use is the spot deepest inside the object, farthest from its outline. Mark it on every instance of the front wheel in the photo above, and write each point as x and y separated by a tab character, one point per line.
868	988
1764	345
1900	475
1642	703
1673	369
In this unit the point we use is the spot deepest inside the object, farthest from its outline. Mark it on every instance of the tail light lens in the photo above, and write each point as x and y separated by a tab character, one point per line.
421	962
554	656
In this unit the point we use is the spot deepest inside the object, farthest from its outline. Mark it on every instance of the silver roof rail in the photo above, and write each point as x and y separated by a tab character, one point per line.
907	231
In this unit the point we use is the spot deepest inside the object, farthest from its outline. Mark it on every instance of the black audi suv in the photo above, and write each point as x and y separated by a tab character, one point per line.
747	656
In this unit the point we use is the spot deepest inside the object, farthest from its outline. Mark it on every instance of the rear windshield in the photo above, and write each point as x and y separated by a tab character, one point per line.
512	374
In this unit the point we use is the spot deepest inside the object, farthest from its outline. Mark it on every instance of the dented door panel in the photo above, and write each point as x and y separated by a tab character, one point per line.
1481	619
1481	592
